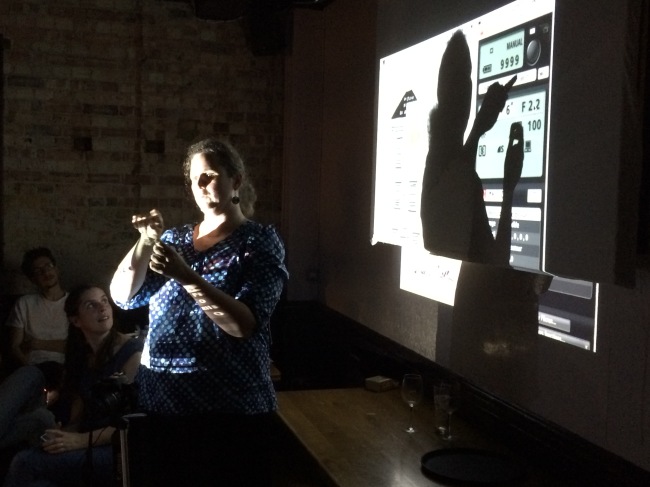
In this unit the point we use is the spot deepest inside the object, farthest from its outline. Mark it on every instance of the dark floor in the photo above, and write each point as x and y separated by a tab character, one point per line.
5	458
292	467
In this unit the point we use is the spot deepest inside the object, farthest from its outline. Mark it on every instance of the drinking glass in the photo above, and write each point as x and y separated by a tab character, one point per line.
412	389
446	398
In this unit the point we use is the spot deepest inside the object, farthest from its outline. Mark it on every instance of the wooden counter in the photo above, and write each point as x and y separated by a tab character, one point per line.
357	437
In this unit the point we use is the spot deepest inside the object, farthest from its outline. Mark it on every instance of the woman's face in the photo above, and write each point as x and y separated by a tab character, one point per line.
95	314
212	187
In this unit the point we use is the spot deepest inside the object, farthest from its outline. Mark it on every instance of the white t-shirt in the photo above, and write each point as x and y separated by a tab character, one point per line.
42	319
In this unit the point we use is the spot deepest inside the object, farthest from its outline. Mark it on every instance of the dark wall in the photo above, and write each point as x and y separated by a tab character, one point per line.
601	397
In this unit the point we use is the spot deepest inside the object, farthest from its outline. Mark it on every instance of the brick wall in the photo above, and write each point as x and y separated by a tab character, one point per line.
101	98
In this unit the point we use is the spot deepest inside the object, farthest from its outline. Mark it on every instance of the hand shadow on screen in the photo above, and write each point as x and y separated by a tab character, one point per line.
452	210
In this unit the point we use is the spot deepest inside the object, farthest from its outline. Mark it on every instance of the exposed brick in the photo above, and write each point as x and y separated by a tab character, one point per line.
101	109
25	81
154	146
139	81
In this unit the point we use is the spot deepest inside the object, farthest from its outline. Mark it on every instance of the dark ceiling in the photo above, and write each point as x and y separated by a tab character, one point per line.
235	9
266	22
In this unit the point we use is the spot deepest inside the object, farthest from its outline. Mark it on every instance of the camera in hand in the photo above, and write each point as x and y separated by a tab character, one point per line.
113	402
113	397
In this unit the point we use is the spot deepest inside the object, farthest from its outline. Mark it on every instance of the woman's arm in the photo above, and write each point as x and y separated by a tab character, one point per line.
59	441
76	413
512	168
261	282
230	314
131	366
131	272
494	101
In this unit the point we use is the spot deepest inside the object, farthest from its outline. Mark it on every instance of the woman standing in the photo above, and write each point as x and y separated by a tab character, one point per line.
95	351
211	287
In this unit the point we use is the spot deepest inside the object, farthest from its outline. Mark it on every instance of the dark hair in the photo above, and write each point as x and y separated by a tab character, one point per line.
448	119
222	153
455	69
30	257
77	350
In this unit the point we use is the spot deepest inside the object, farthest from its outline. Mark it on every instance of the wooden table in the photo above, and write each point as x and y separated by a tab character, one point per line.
358	437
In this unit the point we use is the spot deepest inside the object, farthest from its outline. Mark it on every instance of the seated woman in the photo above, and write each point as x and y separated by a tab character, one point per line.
95	352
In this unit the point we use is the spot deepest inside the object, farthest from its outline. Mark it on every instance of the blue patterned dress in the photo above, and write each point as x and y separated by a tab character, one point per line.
189	365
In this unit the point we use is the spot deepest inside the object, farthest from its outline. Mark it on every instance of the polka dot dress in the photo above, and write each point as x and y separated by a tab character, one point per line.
189	365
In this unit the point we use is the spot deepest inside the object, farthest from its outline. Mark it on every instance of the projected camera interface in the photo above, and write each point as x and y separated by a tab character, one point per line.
523	51
514	41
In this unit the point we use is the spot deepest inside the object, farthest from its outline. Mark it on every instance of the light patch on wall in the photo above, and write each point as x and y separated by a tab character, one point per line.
431	276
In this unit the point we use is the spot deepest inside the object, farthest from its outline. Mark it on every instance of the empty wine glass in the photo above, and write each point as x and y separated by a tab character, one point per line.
446	397
412	389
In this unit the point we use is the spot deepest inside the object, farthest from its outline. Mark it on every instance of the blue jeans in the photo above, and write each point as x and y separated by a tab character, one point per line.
37	468
23	415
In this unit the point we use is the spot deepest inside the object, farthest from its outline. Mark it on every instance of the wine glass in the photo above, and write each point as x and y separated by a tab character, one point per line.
412	389
446	397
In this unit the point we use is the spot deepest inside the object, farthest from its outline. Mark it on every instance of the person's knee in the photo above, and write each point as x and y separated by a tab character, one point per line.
20	468
29	374
43	418
19	460
28	427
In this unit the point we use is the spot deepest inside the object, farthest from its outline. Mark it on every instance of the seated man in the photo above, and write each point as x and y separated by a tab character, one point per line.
38	326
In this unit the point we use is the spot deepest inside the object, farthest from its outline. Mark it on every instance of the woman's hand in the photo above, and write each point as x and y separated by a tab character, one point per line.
150	225
166	261
131	272
59	441
514	161
494	101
